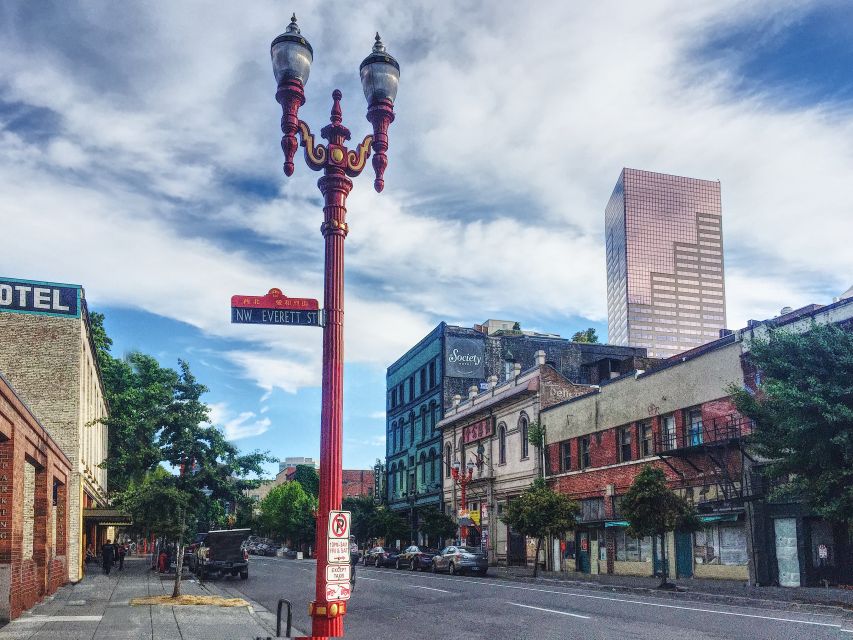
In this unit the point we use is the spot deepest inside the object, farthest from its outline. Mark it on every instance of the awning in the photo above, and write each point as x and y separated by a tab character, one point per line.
616	523
107	517
720	517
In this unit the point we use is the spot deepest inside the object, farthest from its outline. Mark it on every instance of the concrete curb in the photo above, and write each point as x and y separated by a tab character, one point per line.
734	600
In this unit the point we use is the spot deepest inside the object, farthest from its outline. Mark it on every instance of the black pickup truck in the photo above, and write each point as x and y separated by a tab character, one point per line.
221	552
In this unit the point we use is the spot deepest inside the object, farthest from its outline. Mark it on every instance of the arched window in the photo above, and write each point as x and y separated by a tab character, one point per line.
433	410
422	469
423	422
502	443
412	432
432	466
393	437
523	427
400	435
393	476
447	453
401	471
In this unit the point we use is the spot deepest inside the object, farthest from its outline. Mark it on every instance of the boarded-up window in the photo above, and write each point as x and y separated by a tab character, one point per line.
29	511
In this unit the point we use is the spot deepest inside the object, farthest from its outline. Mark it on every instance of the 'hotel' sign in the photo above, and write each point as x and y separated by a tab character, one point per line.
40	298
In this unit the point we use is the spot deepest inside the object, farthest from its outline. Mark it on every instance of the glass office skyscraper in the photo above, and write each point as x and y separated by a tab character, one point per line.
665	284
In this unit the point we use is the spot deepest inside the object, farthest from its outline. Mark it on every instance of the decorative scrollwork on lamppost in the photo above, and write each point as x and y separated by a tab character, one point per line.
462	478
292	56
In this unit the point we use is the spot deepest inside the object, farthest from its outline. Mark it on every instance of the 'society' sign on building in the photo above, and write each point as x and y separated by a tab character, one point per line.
40	298
464	357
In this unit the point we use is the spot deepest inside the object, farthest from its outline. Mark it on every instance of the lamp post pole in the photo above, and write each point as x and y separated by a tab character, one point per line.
291	57
462	478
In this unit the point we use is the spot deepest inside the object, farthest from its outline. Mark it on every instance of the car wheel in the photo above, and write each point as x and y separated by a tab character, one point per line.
485	571
452	569
397	565
433	568
244	575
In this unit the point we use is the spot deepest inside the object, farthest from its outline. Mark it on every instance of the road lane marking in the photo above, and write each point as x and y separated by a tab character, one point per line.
363	578
415	586
640	602
562	613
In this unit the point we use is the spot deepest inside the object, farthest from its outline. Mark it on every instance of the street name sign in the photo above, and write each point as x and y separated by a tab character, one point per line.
337	573
339	525
275	308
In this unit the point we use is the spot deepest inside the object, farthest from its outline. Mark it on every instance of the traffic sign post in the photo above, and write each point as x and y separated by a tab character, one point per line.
339	522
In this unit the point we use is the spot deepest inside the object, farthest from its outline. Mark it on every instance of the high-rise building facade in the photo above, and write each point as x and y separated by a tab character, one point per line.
665	282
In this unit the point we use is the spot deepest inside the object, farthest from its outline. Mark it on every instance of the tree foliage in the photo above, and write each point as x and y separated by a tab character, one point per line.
364	517
589	336
391	527
540	512
289	512
436	524
307	476
803	414
652	509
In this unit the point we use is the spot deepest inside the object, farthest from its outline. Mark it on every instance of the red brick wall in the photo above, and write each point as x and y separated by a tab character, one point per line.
23	440
357	482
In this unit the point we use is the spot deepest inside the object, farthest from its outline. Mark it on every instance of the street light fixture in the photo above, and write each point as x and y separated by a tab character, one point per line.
292	56
462	479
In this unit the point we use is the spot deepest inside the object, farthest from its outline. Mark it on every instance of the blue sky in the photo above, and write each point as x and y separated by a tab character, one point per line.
139	157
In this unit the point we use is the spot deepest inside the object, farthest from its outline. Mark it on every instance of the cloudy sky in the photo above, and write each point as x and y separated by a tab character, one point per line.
139	157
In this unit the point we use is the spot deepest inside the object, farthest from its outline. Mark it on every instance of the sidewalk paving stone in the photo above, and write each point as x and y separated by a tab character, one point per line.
98	608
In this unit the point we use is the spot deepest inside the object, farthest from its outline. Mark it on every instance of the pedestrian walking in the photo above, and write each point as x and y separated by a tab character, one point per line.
122	550
108	556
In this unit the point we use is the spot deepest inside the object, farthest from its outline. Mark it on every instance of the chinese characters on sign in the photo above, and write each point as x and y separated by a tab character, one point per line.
275	308
479	430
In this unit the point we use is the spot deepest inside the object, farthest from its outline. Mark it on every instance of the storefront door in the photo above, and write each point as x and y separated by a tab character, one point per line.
683	554
787	560
583	551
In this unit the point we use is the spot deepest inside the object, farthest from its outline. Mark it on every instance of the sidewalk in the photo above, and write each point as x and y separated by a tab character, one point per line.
98	608
728	591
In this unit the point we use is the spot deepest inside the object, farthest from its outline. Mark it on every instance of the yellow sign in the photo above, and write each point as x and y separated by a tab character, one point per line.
475	517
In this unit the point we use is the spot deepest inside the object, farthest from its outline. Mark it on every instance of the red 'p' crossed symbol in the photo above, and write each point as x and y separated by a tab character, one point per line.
339	525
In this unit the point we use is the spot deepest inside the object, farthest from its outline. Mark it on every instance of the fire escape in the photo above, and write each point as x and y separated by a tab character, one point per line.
712	458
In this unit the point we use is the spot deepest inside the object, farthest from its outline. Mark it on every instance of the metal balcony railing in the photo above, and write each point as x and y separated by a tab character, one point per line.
720	430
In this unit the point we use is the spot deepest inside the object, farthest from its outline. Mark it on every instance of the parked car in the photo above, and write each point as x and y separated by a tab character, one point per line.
460	559
222	553
415	558
381	557
190	551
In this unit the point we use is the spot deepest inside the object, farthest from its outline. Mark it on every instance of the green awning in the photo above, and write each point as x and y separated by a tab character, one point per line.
617	523
720	517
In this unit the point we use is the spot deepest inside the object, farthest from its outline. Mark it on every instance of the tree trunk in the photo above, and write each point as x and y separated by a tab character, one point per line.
536	558
179	565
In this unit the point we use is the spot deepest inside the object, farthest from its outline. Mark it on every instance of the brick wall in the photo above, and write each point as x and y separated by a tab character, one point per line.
357	482
33	563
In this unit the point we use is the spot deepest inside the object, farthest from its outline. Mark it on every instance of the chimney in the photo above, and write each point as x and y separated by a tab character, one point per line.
456	400
472	391
516	369
493	382
540	358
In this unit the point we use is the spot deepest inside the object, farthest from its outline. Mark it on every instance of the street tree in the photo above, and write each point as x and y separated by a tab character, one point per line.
652	509
364	517
541	512
289	512
391	526
307	476
436	525
588	336
803	415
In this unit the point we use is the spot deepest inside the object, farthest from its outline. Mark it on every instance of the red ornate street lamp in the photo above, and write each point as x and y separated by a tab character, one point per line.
462	479
380	74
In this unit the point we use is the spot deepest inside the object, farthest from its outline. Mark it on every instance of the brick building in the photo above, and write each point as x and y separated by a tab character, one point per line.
680	418
358	483
34	482
489	430
422	383
47	354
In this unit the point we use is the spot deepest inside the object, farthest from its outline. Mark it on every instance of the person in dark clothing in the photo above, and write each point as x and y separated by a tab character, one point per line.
121	553
108	556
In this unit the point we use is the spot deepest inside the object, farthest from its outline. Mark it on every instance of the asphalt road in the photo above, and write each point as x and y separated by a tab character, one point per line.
411	605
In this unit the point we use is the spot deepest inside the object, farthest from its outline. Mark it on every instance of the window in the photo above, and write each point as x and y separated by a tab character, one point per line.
447	454
592	509
412	429
423	380
423	423
583	452
630	549
432	374
411	388
435	415
693	418
523	426
502	443
393	475
720	544
624	435
432	465
667	432
566	455
646	445
509	367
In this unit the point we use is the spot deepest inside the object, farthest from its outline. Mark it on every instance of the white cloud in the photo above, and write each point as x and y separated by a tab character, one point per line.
494	199
377	415
245	425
